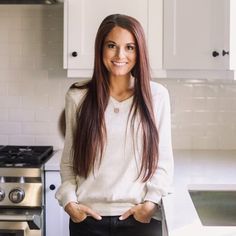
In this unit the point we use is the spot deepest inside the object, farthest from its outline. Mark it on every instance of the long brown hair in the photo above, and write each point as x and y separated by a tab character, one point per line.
90	134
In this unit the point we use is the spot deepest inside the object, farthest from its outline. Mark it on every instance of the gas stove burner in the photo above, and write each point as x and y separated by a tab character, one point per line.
24	156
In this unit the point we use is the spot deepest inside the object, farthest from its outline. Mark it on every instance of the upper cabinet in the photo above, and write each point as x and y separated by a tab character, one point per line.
83	17
196	34
198	38
186	38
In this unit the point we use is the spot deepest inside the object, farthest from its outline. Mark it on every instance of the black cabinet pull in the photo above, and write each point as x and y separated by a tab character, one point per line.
74	54
215	54
225	53
52	187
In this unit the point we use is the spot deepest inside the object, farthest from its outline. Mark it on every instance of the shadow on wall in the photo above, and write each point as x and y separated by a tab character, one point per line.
62	124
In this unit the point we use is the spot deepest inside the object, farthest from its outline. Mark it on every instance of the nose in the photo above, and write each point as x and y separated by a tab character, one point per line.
120	53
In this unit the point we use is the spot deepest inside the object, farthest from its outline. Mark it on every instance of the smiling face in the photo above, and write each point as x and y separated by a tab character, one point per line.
119	52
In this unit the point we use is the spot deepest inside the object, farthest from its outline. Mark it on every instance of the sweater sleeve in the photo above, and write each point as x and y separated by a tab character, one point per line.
159	184
67	190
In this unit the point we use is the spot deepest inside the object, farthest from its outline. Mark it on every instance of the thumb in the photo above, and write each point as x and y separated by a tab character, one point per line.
126	214
90	212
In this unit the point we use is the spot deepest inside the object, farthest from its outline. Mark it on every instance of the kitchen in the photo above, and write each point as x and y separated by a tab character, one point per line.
33	84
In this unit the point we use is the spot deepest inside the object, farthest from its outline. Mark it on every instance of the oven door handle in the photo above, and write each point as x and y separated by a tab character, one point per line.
34	221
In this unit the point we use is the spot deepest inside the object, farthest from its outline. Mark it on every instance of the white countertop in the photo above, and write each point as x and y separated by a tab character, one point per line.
193	168
198	170
53	164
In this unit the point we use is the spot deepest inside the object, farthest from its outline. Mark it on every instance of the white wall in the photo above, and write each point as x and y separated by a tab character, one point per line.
33	85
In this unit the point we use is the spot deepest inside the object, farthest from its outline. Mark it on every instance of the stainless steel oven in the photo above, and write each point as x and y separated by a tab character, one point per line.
21	190
21	223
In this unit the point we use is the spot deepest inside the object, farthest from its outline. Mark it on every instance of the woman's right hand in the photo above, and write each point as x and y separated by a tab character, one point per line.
79	212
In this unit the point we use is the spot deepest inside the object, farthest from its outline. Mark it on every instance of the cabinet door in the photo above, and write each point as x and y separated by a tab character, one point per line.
83	17
194	29
57	221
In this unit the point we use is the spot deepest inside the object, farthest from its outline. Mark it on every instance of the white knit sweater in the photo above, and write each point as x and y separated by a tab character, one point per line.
114	188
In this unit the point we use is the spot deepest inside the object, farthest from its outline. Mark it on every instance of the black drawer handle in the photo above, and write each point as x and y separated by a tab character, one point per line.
74	54
215	54
225	53
52	187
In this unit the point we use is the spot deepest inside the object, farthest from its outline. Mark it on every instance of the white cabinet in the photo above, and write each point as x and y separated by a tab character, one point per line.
197	34
233	34
186	38
57	221
83	17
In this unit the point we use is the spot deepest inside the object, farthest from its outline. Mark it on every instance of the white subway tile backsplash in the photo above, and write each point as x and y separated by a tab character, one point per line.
3	88
205	142
15	49
33	50
32	11
184	117
227	117
227	104
34	102
204	90
186	89
3	114
205	117
48	115
184	104
227	141
21	140
54	140
4	62
14	23
181	141
212	104
4	49
4	139
7	75
33	84
29	22
10	101
39	128
228	90
19	62
34	75
15	88
10	128
21	115
4	24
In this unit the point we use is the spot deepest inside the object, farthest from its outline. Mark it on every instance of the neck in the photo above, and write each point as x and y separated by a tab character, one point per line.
121	87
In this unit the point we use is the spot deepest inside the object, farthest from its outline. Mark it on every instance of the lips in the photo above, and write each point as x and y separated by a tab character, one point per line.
116	63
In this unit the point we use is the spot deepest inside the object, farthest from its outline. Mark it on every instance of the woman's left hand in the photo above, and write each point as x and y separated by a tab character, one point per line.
142	212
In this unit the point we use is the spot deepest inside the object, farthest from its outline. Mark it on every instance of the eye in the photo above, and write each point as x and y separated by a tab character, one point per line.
111	45
130	47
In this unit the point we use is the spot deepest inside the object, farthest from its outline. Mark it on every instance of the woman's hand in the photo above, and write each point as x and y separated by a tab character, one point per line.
142	212
79	212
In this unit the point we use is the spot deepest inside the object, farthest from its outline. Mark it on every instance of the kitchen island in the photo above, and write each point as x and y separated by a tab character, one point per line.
194	169
198	170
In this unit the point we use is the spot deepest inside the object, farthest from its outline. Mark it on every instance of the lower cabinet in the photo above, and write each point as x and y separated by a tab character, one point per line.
56	219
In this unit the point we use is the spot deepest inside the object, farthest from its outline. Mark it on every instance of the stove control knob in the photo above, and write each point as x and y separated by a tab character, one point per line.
2	194
16	195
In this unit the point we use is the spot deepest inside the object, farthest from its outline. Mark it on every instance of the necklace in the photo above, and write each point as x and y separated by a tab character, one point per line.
115	108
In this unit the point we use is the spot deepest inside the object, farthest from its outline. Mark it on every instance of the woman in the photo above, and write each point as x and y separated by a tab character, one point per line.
117	159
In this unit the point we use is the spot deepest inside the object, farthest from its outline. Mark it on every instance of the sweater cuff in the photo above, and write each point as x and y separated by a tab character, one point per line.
64	196
68	198
153	197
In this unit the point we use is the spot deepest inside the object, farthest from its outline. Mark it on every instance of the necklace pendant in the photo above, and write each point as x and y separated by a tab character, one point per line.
116	109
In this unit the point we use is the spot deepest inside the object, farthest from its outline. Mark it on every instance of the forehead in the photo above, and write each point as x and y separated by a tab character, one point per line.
120	35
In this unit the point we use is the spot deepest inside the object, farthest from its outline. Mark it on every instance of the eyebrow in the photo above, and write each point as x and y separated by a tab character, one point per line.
110	41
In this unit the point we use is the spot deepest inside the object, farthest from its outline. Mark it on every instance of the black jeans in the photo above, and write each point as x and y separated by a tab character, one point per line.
112	226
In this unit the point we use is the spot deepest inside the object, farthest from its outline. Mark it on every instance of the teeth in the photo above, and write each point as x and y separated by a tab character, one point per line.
119	63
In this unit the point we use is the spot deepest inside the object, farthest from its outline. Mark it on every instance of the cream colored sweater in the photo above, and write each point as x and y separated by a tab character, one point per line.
113	188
